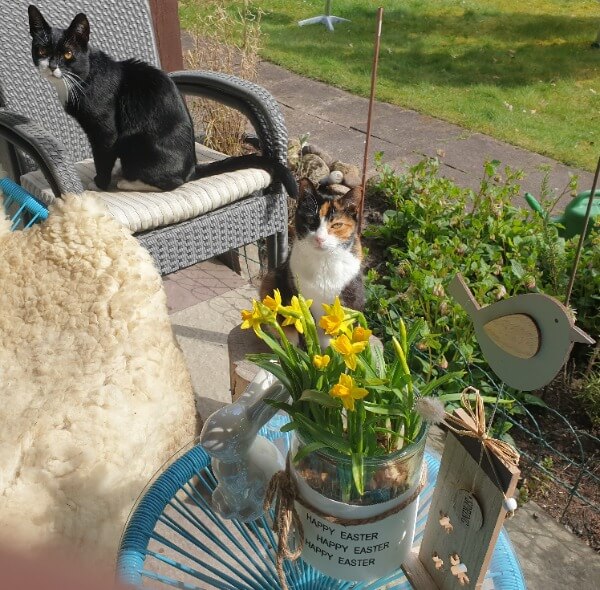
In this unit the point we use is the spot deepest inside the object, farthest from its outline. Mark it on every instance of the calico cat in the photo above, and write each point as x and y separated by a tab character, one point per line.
325	259
129	110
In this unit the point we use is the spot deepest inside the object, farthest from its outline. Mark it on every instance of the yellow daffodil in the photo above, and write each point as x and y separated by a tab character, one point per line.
293	314
336	319
273	303
258	315
349	349
360	334
320	362
347	391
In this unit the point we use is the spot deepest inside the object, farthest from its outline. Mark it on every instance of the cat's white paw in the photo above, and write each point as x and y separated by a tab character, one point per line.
135	185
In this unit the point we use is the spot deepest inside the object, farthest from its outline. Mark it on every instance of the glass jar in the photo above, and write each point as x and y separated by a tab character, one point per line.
385	477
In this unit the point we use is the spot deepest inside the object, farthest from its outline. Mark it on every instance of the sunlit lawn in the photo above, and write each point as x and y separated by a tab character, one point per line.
523	72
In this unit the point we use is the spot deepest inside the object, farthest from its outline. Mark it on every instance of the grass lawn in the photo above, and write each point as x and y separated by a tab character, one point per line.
521	72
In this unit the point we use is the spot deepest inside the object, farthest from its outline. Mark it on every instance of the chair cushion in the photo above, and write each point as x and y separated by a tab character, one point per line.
142	211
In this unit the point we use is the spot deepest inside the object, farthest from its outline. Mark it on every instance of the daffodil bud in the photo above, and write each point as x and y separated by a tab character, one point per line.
402	327
400	354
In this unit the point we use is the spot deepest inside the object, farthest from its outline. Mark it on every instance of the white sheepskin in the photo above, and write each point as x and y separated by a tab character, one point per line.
94	392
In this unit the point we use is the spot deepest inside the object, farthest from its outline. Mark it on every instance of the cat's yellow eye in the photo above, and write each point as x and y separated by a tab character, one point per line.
68	55
42	52
337	225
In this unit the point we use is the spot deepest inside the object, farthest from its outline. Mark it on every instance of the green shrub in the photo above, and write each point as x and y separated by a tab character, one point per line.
587	394
434	229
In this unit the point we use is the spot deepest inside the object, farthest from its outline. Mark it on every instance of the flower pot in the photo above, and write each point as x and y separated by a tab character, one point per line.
329	508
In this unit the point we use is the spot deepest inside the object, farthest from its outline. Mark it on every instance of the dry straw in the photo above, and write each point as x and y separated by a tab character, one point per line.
228	42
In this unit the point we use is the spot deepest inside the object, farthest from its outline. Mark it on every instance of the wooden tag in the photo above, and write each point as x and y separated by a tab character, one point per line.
467	510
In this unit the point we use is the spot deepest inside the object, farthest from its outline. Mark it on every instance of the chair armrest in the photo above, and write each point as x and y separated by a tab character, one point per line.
251	99
48	153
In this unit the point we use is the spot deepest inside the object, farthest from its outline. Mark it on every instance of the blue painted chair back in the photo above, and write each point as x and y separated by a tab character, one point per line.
23	209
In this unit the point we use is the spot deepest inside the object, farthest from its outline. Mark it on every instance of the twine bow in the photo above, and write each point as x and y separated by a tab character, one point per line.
282	489
501	449
478	430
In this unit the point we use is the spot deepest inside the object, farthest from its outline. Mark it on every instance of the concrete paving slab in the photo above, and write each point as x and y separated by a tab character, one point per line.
202	331
550	556
315	107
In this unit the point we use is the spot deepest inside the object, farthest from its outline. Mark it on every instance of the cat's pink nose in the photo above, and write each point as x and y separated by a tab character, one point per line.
319	241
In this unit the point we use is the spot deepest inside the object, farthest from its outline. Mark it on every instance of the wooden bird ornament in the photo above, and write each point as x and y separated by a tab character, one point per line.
525	339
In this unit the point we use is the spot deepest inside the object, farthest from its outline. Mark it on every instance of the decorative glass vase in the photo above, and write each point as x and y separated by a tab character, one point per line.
358	537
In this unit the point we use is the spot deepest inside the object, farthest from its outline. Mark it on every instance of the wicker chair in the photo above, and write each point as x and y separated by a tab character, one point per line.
203	218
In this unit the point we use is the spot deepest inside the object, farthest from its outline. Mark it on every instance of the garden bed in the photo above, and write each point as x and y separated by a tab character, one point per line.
566	446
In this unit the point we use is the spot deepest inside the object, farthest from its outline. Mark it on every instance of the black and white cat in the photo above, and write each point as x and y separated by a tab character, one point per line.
130	111
326	255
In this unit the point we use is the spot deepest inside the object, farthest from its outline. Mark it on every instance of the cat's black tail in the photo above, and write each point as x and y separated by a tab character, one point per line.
276	169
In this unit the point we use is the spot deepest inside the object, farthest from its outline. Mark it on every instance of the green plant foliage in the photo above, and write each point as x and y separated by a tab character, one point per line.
434	229
588	394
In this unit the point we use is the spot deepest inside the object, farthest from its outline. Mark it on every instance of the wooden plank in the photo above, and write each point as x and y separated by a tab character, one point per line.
416	573
460	471
168	33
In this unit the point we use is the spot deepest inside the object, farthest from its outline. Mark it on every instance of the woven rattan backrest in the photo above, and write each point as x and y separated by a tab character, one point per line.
122	28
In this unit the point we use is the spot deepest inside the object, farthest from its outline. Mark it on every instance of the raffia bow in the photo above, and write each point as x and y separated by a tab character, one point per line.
286	522
501	449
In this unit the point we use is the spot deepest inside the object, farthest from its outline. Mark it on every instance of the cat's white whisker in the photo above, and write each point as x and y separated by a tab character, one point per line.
75	87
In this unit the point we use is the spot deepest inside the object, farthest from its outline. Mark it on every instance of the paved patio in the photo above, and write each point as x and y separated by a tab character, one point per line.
205	300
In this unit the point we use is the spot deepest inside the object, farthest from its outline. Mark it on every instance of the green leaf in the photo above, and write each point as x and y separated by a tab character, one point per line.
280	406
358	472
320	397
385	430
318	433
414	331
378	360
534	400
305	450
288	427
488	399
391	410
275	369
517	268
273	344
439	381
376	383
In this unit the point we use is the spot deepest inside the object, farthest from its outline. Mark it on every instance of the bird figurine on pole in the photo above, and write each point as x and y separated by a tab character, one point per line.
525	339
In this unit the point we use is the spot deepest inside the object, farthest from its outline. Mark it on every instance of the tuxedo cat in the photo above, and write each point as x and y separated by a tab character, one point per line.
326	255
129	110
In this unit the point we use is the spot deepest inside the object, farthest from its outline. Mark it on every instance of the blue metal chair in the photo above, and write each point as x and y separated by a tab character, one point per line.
174	539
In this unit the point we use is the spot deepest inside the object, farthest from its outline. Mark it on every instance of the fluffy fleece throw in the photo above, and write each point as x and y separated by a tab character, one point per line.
94	392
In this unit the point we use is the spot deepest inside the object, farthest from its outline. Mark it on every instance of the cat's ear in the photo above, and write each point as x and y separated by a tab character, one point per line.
79	30
351	200
37	23
306	189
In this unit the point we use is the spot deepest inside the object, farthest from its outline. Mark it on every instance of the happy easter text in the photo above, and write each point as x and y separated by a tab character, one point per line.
325	545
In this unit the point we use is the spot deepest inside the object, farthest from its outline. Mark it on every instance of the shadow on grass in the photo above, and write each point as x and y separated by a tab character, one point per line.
504	50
